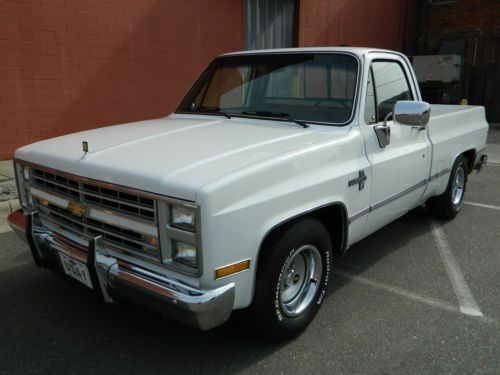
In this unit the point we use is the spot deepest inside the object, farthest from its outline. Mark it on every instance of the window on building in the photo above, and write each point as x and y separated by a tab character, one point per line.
269	24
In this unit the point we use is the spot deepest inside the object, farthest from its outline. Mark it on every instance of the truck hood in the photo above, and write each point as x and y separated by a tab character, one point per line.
173	156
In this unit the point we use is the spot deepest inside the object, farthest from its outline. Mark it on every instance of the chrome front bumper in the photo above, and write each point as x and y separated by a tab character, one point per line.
113	278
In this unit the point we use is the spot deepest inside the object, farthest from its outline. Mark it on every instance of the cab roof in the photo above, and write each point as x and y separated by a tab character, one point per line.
359	51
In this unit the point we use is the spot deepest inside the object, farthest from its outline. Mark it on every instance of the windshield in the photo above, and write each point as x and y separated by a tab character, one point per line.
310	87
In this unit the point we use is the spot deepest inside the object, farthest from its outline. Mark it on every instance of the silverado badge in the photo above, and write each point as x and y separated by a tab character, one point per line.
77	209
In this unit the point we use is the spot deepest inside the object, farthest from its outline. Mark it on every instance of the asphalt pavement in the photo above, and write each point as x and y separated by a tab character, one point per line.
397	304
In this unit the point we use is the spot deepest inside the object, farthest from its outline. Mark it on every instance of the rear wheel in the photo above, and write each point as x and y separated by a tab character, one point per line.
292	279
447	205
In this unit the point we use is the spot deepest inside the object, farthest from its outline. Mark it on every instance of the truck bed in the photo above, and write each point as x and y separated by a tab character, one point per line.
453	129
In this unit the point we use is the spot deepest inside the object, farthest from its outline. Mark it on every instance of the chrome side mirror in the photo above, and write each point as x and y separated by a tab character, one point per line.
412	113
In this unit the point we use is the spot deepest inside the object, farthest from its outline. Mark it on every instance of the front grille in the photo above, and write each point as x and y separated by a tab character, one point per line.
93	195
125	203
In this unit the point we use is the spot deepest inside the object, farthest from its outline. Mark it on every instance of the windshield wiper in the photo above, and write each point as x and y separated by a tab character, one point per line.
278	115
212	110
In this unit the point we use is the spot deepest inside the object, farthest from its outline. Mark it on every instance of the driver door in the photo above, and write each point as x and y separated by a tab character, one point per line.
400	169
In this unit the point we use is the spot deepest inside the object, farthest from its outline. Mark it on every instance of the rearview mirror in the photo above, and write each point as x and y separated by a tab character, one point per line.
412	113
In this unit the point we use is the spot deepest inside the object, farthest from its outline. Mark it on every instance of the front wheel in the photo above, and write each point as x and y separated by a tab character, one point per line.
447	205
292	278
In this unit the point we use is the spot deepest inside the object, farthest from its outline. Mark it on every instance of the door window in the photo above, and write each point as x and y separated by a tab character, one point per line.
391	85
370	101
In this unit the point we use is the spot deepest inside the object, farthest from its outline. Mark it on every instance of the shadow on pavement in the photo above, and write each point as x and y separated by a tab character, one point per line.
59	327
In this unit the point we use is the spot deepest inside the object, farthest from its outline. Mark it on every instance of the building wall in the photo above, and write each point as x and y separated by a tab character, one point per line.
364	23
70	65
473	20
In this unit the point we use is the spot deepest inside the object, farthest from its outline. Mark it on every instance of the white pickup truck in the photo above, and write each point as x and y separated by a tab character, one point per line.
273	161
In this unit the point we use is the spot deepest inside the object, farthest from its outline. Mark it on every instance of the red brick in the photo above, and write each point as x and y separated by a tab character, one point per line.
86	5
8	110
42	85
70	85
27	22
54	3
8	20
40	36
66	38
75	51
63	14
7	149
8	46
51	133
89	40
8	59
8	73
14	7
56	25
54	73
88	17
106	19
39	122
31	1
41	11
8	136
47	97
29	135
33	73
14	122
15	34
40	49
12	98
52	49
91	63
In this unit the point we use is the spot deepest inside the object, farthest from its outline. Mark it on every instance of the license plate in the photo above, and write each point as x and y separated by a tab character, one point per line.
76	269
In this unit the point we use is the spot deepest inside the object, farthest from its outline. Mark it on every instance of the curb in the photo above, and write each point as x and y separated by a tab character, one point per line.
6	207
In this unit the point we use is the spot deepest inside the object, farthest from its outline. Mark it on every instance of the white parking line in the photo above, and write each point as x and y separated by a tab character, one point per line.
410	295
482	205
466	301
402	292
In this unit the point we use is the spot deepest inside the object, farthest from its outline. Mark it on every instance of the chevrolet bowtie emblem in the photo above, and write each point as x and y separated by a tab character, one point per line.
77	209
360	180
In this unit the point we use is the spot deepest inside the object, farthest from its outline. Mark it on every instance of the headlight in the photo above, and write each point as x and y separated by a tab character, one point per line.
184	253
183	217
22	179
26	173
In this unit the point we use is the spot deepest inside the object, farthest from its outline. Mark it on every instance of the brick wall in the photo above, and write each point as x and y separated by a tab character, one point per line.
369	23
70	65
473	20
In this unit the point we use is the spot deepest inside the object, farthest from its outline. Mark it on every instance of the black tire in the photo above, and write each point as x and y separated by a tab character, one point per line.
301	241
446	206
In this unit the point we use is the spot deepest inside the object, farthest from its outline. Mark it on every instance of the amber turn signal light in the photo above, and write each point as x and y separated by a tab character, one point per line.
233	268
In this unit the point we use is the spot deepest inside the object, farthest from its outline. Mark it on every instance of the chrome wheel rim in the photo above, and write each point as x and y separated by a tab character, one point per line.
300	280
458	187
